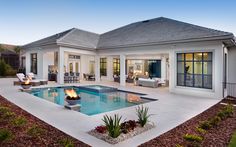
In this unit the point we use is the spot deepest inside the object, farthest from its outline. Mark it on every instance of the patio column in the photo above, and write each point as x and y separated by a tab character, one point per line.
40	66
163	68
97	68
60	75
27	62
109	68
122	70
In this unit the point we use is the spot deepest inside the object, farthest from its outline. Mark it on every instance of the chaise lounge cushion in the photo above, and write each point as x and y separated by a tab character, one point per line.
147	82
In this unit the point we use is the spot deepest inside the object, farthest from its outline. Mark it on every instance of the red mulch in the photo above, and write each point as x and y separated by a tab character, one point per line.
49	137
218	136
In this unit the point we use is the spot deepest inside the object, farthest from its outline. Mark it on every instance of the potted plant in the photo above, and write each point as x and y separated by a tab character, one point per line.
71	97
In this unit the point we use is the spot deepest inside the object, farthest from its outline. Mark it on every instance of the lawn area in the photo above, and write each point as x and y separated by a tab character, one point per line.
19	128
233	140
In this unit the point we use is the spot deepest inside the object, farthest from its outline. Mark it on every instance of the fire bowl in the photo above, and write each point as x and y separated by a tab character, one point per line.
72	101
26	86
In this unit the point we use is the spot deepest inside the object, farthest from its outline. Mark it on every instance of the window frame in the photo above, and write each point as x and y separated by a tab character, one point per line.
103	66
193	74
116	66
34	63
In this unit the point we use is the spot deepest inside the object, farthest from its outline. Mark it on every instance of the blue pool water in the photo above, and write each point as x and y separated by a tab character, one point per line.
92	102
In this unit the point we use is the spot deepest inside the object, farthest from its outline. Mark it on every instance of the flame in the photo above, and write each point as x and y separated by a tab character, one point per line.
27	82
71	93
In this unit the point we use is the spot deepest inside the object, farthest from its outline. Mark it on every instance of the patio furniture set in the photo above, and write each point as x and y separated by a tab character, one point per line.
71	77
143	80
89	77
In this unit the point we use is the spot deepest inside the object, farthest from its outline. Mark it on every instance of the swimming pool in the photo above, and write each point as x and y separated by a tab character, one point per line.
92	102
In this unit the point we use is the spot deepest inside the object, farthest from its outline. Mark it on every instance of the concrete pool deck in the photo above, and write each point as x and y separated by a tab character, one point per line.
169	111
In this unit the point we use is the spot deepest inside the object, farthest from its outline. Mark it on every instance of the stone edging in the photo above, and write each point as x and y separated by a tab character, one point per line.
138	130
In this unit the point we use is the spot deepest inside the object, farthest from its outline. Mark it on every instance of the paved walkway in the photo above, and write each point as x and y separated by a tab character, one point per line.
170	110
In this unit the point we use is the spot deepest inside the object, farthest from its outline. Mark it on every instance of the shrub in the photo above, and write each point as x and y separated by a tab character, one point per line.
128	126
3	110
6	69
5	135
5	114
35	131
206	125
228	110
113	125
101	129
200	130
215	120
193	138
222	115
143	116
8	115
66	142
19	121
3	68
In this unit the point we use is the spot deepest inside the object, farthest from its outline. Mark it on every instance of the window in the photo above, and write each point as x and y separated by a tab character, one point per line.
77	67
71	67
194	69
91	67
103	66
116	66
33	67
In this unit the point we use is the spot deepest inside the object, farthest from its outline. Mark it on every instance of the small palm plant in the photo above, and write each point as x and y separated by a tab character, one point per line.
143	116
113	125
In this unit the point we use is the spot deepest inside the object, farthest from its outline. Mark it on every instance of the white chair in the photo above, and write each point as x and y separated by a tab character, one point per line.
22	78
32	77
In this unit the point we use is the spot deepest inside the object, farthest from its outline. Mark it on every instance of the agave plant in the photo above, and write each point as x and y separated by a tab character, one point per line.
113	125
143	116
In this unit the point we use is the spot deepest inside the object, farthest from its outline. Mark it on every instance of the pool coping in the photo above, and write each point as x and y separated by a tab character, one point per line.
142	96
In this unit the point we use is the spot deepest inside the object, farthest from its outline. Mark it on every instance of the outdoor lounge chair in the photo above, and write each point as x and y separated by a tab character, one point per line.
32	77
21	77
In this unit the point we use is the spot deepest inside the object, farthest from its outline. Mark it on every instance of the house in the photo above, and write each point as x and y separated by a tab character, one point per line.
194	59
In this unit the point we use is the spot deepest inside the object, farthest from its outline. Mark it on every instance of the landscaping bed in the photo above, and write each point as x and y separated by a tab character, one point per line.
191	133
105	136
116	130
19	128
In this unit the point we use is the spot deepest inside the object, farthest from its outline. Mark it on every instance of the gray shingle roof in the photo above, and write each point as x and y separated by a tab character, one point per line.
48	40
72	37
80	38
155	31
158	30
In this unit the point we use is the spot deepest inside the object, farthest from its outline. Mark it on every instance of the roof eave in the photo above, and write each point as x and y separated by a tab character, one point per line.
230	36
26	47
76	46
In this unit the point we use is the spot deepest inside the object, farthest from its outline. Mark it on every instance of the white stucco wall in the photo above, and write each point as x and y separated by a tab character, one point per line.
232	65
172	50
44	58
155	52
